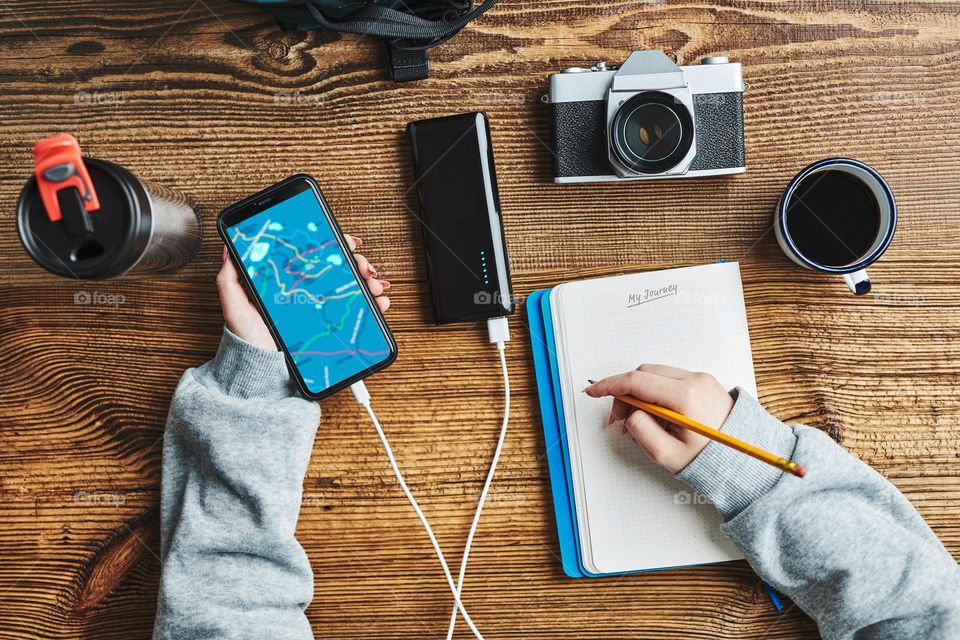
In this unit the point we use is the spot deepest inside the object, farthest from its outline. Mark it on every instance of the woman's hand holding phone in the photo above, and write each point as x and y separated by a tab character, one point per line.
241	315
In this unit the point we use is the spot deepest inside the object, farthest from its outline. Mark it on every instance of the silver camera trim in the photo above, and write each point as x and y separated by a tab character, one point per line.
643	72
714	74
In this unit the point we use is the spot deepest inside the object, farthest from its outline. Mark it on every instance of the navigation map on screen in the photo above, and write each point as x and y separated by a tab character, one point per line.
309	290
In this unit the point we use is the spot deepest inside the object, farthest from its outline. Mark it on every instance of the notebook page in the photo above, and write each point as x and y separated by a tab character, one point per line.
583	508
635	515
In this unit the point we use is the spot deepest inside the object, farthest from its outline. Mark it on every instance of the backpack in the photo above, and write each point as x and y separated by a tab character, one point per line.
409	29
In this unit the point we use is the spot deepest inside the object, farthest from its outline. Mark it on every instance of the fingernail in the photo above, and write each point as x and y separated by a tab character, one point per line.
224	253
611	419
357	241
624	429
372	272
386	285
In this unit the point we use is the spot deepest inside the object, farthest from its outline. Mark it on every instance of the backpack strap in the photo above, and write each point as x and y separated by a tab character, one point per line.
407	64
407	37
384	22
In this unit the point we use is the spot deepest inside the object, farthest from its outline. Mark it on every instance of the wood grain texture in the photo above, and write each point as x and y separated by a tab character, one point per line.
208	97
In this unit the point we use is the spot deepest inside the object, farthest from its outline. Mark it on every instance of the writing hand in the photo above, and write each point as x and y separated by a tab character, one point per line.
695	395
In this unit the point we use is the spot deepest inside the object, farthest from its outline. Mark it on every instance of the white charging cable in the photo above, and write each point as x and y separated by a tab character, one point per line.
499	333
363	397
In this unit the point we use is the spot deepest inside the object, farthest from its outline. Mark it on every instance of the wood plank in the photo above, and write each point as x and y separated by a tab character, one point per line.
208	97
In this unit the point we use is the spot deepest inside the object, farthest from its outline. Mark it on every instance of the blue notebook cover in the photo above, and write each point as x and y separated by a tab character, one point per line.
551	411
540	321
543	346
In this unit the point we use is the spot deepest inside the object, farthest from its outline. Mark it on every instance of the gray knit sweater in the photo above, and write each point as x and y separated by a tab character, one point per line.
842	542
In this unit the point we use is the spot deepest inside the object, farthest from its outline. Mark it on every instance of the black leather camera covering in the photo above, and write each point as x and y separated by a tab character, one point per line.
579	138
579	133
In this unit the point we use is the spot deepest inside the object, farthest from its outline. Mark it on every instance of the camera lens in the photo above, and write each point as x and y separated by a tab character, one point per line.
652	132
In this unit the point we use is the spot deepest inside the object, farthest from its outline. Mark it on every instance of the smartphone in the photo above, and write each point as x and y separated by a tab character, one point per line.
302	277
460	218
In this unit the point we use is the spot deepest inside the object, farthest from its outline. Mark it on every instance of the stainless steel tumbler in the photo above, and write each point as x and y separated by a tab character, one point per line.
92	219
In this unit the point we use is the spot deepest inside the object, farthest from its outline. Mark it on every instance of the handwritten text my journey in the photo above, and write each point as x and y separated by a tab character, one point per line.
648	295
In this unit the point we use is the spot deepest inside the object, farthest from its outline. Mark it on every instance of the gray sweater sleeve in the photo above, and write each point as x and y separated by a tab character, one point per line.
235	452
842	542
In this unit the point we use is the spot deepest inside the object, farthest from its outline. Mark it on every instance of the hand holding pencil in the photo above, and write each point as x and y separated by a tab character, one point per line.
693	406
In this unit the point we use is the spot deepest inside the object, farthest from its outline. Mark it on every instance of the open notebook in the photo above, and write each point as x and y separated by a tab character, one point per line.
627	513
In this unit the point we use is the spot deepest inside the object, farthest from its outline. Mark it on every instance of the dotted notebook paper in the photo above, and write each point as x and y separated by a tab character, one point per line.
633	515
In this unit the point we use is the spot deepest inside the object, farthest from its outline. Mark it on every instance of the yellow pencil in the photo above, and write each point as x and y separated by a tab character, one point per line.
717	436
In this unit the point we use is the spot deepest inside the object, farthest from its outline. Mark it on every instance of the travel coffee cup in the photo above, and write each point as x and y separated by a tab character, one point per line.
837	216
91	219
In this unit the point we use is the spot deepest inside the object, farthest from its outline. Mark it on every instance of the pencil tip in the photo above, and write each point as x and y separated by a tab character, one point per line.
591	381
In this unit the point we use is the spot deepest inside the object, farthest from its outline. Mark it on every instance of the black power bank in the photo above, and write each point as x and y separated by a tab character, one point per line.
460	217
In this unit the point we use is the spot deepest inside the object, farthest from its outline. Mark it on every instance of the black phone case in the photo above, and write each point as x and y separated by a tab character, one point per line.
253	200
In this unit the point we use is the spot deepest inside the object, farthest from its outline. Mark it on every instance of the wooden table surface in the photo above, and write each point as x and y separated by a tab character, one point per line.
207	96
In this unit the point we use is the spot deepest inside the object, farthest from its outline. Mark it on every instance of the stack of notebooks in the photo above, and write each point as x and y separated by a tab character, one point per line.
616	511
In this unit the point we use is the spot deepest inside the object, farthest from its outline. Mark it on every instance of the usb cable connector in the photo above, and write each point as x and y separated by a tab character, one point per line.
498	330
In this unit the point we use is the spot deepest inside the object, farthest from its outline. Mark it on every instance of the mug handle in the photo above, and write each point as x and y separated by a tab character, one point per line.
858	282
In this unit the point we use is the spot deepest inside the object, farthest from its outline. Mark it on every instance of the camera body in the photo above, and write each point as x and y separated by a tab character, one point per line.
647	119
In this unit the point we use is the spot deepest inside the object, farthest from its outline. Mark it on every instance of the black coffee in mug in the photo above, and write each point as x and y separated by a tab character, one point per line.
837	216
833	217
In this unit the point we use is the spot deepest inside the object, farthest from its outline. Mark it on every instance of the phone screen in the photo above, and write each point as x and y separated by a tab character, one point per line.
308	288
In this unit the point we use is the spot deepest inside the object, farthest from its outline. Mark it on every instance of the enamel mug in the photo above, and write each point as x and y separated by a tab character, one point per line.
853	271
